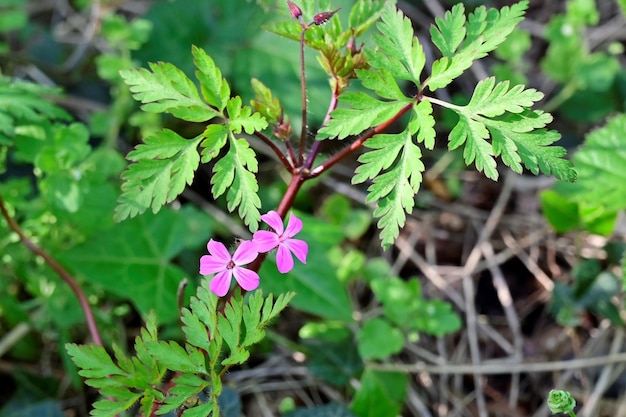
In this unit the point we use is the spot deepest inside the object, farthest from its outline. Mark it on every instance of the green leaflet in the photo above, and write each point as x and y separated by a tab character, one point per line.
123	381
166	162
462	41
501	113
395	166
235	173
364	112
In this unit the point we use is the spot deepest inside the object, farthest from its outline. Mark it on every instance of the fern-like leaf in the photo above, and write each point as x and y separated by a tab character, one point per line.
235	173
362	113
162	166
396	168
166	89
501	113
399	50
462	41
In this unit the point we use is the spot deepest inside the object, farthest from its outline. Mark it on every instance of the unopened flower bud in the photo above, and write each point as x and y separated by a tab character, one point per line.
295	11
323	17
352	46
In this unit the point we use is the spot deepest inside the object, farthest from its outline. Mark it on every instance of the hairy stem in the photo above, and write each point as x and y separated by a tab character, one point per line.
303	132
60	271
281	156
316	146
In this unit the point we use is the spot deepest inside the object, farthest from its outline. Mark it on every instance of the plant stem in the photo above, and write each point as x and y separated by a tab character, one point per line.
60	271
571	413
281	156
303	132
316	146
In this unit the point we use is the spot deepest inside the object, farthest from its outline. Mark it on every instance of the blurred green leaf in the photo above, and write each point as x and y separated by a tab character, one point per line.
133	260
379	340
561	213
334	361
600	162
381	394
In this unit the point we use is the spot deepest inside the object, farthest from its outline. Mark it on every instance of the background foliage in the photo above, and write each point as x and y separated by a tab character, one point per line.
67	119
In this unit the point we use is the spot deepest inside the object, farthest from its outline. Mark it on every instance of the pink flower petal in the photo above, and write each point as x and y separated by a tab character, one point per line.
210	265
246	252
247	279
284	260
297	247
294	225
219	251
265	240
220	284
273	219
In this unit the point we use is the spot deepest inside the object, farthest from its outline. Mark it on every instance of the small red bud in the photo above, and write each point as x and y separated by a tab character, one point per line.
295	11
323	17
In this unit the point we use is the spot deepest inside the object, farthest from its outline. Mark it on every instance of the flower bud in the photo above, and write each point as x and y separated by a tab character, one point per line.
323	17
295	11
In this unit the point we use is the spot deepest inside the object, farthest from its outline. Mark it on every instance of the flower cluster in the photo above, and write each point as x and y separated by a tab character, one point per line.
226	266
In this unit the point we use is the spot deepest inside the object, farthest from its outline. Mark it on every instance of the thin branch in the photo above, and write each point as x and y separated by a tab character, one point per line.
60	271
501	367
316	146
303	132
281	156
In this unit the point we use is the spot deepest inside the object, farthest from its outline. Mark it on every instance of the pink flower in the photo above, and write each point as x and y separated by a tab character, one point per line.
224	266
282	238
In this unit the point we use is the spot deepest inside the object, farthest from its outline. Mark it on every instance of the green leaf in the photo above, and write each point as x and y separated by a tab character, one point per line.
423	123
196	333
94	361
473	135
214	87
162	166
502	114
133	261
166	89
241	117
363	112
381	394
215	137
561	213
492	27
491	99
204	306
600	163
449	31
176	358
235	173
265	103
185	388
230	329
107	408
24	103
372	333
462	41
404	54
394	189
534	148
334	361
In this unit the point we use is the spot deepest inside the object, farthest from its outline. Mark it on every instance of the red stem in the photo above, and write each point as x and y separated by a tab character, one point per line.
303	132
281	156
60	271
